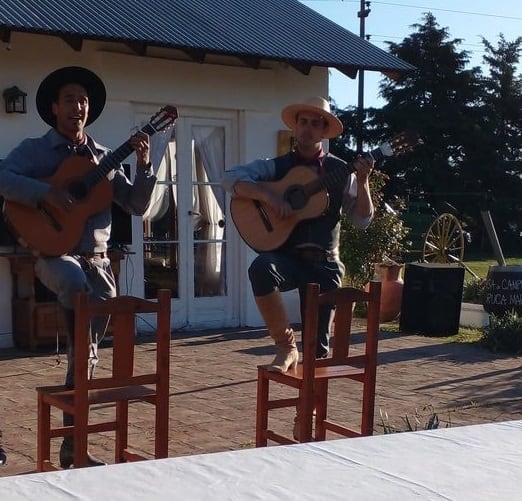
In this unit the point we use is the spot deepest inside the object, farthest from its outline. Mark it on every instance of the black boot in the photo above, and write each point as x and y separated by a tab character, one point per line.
67	455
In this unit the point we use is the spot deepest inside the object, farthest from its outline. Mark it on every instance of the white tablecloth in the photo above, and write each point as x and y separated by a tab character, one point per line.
464	463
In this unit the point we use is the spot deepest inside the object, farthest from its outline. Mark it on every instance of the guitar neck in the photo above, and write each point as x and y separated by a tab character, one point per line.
399	144
113	160
338	176
334	178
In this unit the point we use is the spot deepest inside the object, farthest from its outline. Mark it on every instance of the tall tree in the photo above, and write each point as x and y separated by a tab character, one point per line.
503	95
470	124
502	121
437	100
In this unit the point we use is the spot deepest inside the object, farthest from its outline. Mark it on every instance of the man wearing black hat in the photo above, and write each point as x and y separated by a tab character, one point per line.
69	99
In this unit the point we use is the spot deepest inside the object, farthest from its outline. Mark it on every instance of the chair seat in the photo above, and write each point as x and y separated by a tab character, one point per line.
98	396
333	372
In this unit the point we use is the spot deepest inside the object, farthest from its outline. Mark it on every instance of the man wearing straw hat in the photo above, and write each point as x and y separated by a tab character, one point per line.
69	99
311	252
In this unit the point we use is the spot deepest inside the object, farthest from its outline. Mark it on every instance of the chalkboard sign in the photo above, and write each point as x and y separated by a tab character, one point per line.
503	290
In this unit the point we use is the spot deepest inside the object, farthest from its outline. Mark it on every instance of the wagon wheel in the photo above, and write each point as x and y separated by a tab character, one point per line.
444	241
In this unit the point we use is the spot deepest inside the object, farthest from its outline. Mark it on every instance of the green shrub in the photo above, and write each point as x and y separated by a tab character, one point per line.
504	333
474	291
384	240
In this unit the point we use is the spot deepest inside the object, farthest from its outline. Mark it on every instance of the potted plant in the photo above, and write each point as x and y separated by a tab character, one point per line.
472	313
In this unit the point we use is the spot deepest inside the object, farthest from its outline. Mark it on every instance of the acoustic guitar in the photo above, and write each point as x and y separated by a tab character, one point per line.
263	230
49	231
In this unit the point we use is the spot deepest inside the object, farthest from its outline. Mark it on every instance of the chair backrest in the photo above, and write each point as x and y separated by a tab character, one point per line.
122	312
343	299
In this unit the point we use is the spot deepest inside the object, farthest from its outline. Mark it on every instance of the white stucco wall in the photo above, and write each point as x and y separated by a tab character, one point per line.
133	82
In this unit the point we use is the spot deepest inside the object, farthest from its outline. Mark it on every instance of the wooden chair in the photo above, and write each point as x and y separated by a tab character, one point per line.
311	377
122	384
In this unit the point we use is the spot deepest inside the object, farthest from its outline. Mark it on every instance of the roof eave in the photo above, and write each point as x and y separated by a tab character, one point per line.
139	47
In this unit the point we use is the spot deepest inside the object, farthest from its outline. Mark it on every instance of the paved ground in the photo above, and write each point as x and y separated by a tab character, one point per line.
213	388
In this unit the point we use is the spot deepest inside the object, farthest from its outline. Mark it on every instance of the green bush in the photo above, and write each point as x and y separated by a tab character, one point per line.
384	240
504	333
474	291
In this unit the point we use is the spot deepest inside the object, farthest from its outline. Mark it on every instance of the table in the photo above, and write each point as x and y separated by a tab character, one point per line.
480	462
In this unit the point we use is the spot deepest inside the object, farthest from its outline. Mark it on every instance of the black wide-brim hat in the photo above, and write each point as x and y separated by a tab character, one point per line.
48	92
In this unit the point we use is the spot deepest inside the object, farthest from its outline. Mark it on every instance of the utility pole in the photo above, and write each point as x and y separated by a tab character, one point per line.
362	15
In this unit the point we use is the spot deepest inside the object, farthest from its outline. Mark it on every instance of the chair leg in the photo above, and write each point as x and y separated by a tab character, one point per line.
161	444
80	434
262	410
122	431
43	441
321	406
368	406
305	411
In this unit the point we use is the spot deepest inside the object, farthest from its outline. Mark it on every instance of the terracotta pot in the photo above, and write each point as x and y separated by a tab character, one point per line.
391	289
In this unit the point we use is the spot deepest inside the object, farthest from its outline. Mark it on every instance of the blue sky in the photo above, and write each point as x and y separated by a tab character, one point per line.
391	20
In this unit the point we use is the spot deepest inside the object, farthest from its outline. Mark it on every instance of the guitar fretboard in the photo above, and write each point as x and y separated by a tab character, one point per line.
339	176
113	160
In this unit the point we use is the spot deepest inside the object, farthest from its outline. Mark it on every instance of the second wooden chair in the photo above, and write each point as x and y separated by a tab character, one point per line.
311	377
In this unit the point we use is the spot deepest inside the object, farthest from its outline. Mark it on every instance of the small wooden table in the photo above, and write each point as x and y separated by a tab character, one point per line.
37	317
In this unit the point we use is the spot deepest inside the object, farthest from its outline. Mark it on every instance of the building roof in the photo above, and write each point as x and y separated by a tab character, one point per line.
249	30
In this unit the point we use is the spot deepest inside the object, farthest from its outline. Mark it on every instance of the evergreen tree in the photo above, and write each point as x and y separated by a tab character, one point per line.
502	114
437	100
470	124
503	96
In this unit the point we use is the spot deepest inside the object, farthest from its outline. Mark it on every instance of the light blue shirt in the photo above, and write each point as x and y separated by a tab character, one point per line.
24	170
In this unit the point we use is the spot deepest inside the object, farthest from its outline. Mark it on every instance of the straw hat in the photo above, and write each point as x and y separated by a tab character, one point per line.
48	92
318	105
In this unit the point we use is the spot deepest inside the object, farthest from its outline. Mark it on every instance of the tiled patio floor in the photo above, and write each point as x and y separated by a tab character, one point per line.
213	390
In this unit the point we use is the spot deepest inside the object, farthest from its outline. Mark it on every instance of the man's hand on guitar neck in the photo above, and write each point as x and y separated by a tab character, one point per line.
257	191
140	144
363	166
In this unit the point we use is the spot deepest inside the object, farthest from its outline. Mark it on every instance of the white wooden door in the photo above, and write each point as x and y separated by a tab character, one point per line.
185	234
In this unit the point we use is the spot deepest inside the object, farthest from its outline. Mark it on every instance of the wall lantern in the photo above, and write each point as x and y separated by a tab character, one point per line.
14	100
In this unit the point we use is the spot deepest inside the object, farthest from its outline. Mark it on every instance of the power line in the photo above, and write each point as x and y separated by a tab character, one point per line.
472	48
450	10
514	18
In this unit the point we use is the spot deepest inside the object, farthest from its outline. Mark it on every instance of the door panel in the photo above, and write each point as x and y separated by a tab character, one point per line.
185	242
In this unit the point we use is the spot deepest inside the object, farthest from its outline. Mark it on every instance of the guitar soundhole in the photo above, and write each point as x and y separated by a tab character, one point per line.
78	189
296	197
